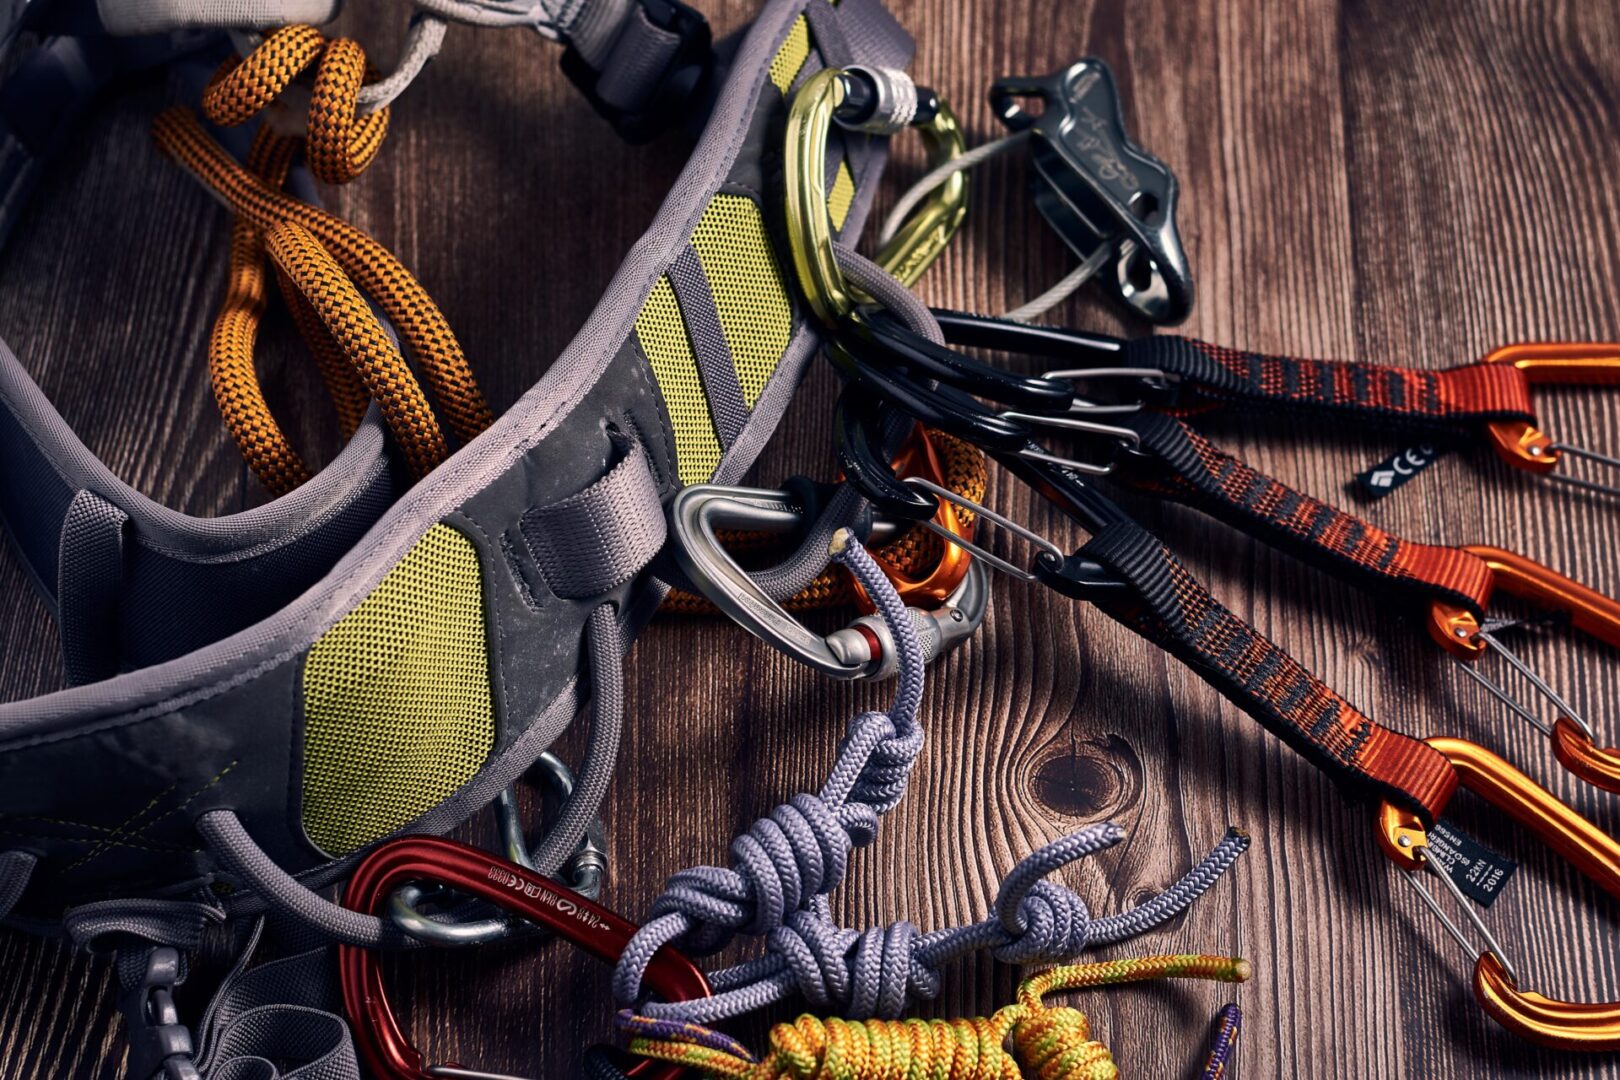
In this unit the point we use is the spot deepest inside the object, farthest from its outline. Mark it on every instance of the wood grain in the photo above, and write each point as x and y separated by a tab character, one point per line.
1414	183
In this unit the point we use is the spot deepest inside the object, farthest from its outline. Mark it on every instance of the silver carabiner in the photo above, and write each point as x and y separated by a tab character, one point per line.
698	511
584	871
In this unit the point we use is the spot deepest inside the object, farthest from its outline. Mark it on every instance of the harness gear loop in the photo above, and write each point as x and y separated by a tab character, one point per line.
1052	1042
1589	850
342	142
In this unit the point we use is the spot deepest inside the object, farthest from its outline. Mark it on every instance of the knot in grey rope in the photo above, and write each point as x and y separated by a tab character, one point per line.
784	865
785	861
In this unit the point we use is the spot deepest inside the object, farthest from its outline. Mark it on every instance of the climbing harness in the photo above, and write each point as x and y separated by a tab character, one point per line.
1112	202
786	866
390	659
1053	1043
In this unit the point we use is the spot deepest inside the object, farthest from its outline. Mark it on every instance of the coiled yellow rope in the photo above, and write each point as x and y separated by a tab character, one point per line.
1050	1043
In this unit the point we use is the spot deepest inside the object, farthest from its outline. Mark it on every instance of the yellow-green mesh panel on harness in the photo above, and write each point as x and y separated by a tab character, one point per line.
663	339
397	707
749	295
842	195
792	55
747	285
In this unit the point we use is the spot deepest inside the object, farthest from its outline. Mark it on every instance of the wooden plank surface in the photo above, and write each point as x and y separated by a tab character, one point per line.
1377	179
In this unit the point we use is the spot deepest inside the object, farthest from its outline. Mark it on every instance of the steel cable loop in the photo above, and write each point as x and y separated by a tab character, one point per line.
342	140
372	267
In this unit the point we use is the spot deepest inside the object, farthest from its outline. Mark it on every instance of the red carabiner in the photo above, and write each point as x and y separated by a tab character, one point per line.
387	1052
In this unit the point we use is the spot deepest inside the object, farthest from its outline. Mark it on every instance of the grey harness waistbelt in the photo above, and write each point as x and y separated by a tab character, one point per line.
436	659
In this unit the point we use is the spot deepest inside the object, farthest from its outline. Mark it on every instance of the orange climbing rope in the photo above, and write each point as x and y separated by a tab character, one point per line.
1052	1043
328	297
342	142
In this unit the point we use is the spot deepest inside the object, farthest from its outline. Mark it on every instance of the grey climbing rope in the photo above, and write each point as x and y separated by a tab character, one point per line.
787	863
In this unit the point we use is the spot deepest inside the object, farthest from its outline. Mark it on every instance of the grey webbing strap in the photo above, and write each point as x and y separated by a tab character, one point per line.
89	577
709	346
590	26
127	18
591	543
16	867
285	1011
827	30
635	66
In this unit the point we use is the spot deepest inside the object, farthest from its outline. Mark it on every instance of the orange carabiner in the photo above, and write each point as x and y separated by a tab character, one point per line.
1550	1021
1570	363
919	456
1459	631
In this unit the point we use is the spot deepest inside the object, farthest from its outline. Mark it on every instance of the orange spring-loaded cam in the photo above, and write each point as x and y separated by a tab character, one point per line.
1571	363
1552	1022
1460	632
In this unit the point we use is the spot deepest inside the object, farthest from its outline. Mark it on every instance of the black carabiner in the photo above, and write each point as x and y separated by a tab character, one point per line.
892	342
942	407
859	420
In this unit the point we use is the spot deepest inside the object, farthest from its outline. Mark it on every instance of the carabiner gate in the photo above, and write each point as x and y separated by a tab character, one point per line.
699	510
1568	363
1563	1024
1459	631
857	97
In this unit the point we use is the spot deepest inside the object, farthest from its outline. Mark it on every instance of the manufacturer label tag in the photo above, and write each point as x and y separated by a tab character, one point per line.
1396	470
1479	872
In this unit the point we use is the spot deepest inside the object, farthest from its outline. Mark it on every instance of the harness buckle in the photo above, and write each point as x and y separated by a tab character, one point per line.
1110	200
640	112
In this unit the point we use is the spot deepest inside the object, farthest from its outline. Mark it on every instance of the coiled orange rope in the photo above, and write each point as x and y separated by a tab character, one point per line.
341	141
1051	1043
329	305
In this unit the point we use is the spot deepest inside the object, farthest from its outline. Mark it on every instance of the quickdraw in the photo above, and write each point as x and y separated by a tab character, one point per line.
896	362
1449	588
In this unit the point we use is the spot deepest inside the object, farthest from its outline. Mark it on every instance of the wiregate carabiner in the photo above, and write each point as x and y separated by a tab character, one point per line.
1563	1024
699	510
1459	631
384	1048
1565	363
876	100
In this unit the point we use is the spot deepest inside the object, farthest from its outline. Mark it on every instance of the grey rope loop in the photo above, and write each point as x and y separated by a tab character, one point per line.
786	864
